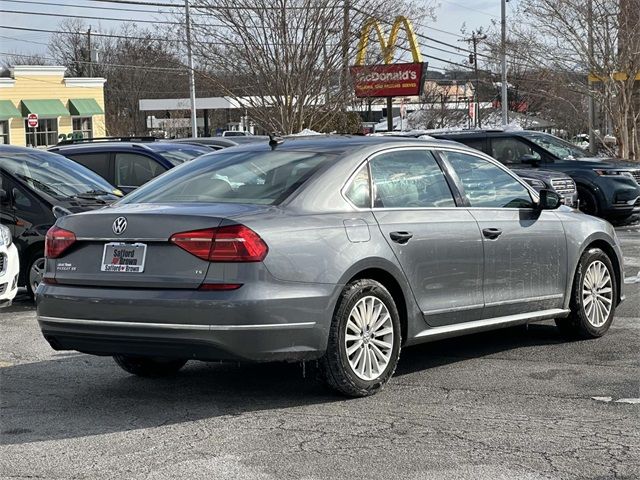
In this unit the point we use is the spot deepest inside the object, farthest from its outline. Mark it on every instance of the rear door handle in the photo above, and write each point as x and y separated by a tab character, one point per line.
401	237
491	233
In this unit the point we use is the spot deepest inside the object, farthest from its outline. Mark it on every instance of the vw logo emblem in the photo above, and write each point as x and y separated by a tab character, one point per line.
119	225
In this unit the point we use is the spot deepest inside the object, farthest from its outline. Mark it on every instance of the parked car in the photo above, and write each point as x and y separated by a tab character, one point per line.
340	250
128	162
218	143
607	187
36	187
9	267
235	133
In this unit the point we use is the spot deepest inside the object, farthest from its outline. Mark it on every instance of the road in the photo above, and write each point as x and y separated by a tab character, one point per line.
519	403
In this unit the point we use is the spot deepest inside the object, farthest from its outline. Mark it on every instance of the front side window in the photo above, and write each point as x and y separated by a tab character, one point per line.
253	177
44	135
83	127
409	179
511	150
4	132
133	170
486	184
557	146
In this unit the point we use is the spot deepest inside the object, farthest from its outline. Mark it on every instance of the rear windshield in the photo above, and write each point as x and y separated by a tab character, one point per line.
264	177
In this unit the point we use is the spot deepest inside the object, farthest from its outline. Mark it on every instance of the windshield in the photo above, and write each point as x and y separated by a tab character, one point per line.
264	177
54	174
178	154
557	146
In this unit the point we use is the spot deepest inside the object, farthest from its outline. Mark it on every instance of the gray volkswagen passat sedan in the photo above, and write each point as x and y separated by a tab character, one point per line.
338	249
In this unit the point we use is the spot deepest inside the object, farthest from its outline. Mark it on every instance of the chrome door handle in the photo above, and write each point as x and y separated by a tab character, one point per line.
491	233
401	237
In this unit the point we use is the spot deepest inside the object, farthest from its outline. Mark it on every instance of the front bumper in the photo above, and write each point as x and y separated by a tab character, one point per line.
9	274
289	324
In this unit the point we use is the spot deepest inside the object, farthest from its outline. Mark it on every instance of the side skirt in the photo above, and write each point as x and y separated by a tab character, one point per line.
458	329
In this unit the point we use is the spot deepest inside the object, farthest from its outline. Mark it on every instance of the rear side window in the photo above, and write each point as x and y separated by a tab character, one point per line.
263	177
133	170
359	192
98	162
476	143
409	179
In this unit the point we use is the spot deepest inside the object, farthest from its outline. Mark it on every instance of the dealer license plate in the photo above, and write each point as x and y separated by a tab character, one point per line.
124	257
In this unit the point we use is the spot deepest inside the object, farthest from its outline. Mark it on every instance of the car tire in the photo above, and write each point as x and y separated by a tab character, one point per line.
364	340
149	366
588	202
35	270
593	297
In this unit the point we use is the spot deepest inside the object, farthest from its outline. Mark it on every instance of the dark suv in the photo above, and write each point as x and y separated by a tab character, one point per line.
607	187
128	162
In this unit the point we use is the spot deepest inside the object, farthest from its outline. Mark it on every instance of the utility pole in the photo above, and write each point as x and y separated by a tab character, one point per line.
592	106
345	47
503	55
192	80
89	51
476	37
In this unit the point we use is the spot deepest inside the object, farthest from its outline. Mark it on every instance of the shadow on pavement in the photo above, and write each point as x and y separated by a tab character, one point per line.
76	395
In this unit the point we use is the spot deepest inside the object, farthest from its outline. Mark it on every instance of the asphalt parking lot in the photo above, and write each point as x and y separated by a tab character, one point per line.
515	403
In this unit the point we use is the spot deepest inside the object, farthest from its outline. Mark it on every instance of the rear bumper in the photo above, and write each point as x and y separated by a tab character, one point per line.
290	326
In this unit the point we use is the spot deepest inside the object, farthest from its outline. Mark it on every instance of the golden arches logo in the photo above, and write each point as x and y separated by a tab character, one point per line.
388	45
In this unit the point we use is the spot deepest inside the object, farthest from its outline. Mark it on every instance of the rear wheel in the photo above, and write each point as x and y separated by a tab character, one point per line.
149	366
364	340
593	299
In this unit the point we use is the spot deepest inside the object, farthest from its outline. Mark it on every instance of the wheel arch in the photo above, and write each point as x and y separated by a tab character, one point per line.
606	246
393	280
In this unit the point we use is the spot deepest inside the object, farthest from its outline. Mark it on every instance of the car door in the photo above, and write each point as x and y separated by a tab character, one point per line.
134	169
437	244
525	251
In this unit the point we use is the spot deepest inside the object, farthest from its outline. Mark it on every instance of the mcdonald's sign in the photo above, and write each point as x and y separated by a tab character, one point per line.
387	80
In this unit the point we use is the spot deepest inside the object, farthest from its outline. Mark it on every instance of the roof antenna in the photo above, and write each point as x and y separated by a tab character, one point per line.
275	140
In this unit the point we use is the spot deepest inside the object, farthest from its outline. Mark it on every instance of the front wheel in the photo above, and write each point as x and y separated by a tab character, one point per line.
587	202
593	299
149	366
364	340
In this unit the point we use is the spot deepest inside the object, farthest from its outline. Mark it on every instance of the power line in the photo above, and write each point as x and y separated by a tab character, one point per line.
92	7
67	15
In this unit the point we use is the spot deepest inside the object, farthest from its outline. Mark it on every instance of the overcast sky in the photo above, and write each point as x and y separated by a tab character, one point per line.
451	15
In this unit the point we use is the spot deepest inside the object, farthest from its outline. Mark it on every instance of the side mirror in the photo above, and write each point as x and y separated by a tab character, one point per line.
549	200
529	159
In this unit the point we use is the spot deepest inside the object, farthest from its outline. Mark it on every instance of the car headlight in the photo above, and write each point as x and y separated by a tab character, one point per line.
5	236
535	183
612	173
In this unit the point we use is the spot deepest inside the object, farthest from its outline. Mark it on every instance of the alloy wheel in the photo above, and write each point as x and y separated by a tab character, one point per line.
597	293
36	273
369	338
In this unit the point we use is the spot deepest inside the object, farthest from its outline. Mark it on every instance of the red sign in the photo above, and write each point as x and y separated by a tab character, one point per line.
395	80
32	120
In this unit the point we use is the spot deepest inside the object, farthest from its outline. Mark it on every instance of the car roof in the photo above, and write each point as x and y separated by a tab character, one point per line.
344	143
115	146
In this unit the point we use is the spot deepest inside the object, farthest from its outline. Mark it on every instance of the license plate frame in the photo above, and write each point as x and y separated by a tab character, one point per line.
108	265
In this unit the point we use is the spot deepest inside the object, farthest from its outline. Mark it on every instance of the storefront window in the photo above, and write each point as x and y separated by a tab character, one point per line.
82	127
46	133
4	132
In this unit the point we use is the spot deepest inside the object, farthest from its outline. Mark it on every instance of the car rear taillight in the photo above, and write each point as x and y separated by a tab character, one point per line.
233	243
57	241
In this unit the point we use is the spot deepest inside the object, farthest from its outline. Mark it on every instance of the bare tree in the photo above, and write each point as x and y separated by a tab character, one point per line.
558	33
282	61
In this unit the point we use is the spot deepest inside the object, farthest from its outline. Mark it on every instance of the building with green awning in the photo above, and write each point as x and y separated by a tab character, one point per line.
66	107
